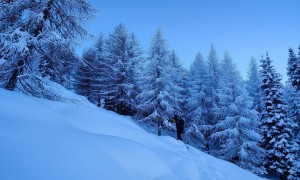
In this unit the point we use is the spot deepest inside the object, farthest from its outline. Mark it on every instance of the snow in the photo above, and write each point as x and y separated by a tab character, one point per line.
43	139
64	95
2	61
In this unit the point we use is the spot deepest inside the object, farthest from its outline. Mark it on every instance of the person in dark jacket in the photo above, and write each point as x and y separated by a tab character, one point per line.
179	126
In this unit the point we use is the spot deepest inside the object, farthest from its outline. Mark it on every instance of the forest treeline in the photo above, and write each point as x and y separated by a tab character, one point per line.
253	123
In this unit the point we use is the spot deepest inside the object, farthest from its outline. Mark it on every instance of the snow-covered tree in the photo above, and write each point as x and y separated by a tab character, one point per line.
57	62
253	84
155	100
213	83
184	92
84	75
293	106
99	71
32	31
122	53
135	55
293	70
277	127
91	75
237	130
212	98
293	98
178	90
197	101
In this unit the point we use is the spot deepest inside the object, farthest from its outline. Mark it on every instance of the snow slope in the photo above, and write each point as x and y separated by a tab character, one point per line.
41	139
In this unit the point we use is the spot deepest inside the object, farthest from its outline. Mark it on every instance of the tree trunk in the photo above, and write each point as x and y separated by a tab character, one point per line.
12	82
159	127
99	102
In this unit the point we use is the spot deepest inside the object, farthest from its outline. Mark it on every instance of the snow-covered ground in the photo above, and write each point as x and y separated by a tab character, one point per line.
41	139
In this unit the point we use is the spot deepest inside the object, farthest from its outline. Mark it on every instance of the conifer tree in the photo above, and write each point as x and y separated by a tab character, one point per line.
155	99
293	99
184	92
237	130
122	53
84	75
293	72
276	126
91	74
213	85
135	54
99	71
197	101
58	71
253	84
33	30
178	89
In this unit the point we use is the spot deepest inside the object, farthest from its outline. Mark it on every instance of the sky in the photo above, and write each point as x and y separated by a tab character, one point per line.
244	28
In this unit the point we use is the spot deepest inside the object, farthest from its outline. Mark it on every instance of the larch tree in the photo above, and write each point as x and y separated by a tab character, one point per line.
198	102
122	53
32	31
178	89
91	75
213	68
99	72
253	84
155	100
237	131
135	55
84	75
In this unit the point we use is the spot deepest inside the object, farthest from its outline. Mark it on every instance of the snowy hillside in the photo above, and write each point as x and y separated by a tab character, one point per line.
43	139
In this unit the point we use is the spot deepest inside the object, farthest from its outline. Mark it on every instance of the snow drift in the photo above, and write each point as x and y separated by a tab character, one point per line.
41	139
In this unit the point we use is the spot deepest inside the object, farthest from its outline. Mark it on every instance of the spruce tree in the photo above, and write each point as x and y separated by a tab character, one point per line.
293	70
276	126
293	98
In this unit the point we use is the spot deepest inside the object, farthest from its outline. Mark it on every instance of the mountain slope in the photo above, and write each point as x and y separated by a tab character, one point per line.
43	139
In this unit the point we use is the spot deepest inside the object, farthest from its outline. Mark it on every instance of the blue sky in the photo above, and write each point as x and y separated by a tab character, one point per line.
245	28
